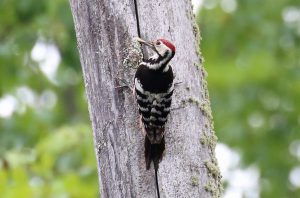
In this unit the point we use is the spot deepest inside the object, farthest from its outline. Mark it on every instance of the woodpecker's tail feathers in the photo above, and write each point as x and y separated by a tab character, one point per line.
155	134
153	152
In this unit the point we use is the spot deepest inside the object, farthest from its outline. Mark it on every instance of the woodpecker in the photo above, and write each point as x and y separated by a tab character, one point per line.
153	86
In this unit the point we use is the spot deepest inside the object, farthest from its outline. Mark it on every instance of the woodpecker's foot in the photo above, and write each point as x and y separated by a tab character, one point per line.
125	85
140	122
133	92
177	108
141	126
178	83
144	131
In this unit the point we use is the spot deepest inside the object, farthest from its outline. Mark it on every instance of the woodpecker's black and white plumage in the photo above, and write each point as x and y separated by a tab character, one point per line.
153	85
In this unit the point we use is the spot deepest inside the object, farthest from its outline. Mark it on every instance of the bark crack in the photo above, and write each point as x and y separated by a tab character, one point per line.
137	18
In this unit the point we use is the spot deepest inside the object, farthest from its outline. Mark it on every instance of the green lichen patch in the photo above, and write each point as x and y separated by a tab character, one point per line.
214	185
194	181
133	55
213	169
213	189
209	140
198	66
205	108
205	90
204	72
196	32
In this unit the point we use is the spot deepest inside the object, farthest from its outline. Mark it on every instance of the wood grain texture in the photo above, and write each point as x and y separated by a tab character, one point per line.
104	30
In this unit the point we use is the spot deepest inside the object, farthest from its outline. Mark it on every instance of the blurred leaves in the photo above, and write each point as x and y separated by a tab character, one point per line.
61	164
253	61
46	147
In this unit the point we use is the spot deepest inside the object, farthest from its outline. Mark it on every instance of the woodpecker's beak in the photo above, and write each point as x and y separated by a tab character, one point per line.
148	43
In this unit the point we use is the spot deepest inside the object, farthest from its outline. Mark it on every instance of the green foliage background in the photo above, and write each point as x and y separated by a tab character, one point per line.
44	152
253	63
252	58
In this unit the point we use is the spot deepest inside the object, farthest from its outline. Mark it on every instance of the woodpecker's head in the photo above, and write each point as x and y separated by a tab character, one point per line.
161	47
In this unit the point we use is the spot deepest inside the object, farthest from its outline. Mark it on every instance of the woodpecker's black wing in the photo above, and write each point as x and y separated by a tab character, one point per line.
154	91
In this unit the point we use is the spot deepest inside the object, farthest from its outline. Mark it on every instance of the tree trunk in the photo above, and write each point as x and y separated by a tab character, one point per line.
105	30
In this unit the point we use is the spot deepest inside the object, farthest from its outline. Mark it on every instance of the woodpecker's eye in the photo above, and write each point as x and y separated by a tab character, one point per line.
157	42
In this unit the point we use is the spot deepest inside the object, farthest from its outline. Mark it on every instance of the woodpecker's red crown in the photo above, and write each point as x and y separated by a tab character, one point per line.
168	44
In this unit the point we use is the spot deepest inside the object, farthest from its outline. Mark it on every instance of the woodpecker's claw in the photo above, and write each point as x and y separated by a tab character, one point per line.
125	85
178	83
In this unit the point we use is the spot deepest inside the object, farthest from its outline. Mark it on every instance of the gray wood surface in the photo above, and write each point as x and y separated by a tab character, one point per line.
105	30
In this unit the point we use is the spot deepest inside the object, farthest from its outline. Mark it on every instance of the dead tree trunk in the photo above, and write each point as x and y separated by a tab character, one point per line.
105	30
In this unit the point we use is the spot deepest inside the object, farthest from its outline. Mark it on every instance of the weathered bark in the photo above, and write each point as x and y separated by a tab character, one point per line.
105	30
